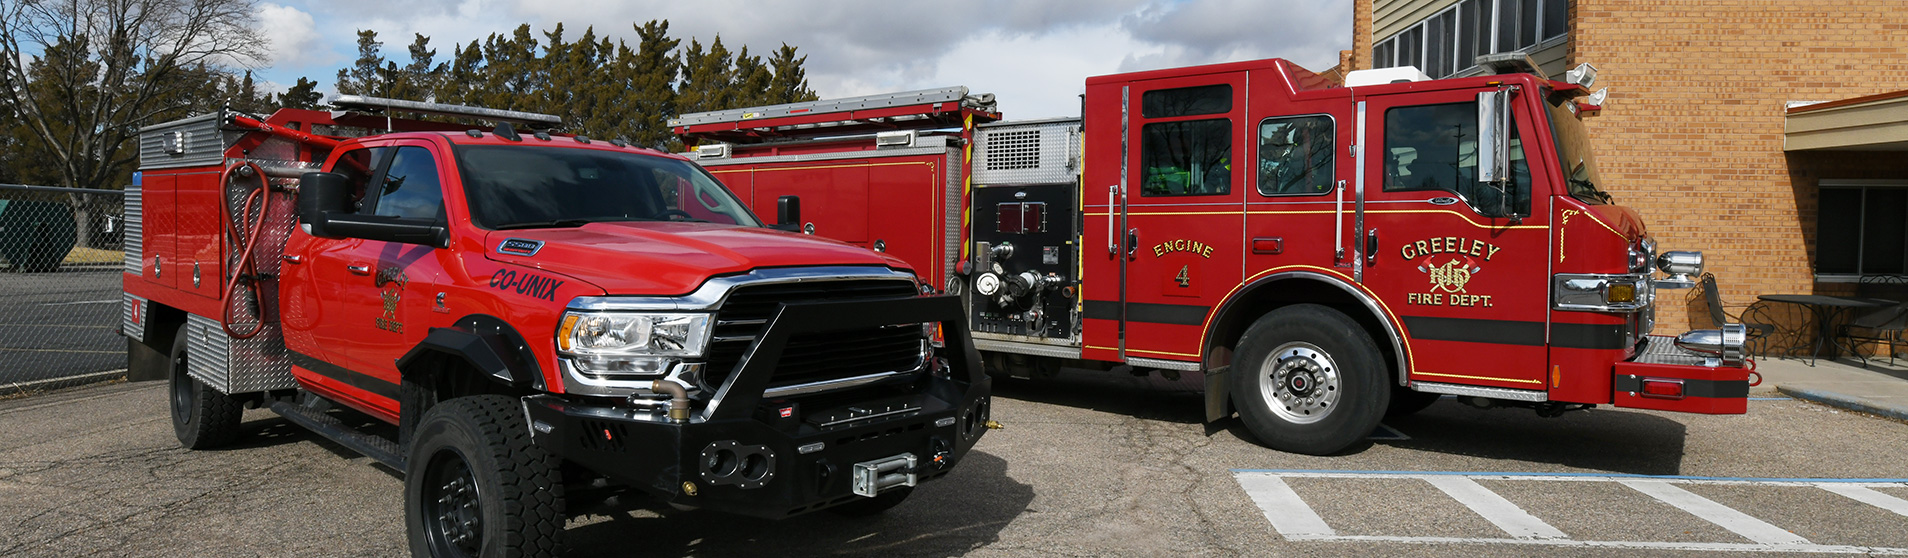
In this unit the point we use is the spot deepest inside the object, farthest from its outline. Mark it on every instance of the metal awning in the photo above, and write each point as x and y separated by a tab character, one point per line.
1872	123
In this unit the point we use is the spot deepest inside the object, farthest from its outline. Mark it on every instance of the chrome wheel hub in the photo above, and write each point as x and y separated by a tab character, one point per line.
1300	383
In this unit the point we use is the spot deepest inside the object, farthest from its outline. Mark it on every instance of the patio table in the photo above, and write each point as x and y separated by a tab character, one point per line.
1826	309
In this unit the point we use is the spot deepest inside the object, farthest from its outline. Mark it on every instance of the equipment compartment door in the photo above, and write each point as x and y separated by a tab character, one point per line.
1462	263
1182	215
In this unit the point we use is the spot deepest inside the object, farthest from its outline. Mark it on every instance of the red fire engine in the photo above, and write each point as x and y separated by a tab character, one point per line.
530	311
1324	253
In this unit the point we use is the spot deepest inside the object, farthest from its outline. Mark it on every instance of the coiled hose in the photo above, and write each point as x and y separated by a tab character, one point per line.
245	269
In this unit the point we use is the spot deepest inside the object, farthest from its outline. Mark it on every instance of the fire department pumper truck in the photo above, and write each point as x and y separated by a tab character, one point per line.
1323	253
536	316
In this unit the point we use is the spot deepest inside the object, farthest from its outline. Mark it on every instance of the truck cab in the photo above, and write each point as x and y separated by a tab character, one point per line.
531	313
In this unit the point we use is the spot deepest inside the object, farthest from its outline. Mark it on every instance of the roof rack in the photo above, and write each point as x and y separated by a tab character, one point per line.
925	108
361	103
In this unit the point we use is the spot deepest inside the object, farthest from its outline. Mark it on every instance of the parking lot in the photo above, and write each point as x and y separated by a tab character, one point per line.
60	324
1086	465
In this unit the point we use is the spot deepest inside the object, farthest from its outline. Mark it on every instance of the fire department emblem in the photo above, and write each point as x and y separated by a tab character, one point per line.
1451	276
391	281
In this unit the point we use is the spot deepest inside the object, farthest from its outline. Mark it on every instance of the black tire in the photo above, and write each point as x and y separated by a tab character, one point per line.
202	417
1406	401
477	486
1320	369
870	506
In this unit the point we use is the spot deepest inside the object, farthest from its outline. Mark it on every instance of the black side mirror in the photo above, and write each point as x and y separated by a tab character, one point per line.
788	213
318	194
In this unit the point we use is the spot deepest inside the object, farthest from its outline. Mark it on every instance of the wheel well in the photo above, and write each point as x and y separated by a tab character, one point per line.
162	322
1239	313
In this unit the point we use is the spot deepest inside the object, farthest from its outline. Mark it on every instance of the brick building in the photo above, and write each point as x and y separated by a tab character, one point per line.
1773	136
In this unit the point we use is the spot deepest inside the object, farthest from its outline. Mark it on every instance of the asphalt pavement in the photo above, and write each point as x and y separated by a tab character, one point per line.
1089	464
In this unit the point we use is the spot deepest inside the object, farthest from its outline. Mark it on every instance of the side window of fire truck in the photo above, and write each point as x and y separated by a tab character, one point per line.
357	165
1295	156
1186	157
1434	147
410	187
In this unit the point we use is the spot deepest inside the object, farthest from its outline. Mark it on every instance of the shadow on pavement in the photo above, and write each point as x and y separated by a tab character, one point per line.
1151	398
1600	439
948	517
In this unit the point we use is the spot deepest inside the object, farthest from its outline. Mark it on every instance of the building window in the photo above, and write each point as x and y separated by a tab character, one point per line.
1447	42
1861	228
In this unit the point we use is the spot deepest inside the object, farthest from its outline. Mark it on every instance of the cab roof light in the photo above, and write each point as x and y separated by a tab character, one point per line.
506	131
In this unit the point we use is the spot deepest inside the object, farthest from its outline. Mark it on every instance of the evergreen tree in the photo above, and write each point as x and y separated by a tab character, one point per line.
302	95
708	78
790	84
366	76
651	96
418	80
751	80
460	82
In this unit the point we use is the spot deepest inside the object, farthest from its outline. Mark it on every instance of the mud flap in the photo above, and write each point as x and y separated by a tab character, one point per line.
1218	396
1716	390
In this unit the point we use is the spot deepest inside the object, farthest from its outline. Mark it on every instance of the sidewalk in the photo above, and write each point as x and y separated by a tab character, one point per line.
1880	389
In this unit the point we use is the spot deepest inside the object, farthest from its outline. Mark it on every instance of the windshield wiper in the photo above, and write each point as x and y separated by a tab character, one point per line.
559	223
1592	187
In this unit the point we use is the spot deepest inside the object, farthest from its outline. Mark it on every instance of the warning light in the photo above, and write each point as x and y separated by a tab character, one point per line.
1663	389
788	412
606	434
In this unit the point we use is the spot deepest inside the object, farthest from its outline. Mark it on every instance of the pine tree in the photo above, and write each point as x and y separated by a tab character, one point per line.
466	74
708	78
302	95
418	80
366	75
790	84
652	71
750	85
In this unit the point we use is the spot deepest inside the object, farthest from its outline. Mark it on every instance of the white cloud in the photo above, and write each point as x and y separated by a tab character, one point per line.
1034	55
293	35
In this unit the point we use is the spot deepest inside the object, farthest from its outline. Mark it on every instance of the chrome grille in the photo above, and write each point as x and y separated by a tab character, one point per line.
812	356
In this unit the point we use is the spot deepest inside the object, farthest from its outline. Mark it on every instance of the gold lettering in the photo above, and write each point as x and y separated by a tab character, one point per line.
1423	249
1477	247
1494	249
1159	251
1207	253
1437	245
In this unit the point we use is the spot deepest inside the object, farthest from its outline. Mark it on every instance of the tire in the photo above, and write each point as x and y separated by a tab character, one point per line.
1406	401
870	506
477	486
1307	379
202	417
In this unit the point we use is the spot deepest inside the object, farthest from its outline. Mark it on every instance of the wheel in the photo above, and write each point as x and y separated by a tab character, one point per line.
871	506
1307	379
202	417
1406	401
477	486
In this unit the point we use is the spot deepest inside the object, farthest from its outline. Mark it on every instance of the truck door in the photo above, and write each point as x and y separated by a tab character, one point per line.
316	317
398	294
1183	211
1463	264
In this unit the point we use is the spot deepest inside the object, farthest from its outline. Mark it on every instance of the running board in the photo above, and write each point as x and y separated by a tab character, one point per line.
372	446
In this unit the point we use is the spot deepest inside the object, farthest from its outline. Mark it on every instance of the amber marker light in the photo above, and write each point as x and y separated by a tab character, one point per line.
1622	292
564	331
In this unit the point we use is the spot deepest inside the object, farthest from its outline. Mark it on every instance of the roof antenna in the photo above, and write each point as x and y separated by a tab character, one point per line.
505	131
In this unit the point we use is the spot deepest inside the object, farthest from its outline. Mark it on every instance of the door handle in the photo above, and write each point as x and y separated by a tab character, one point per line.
1112	195
1268	244
292	259
1371	248
1132	240
359	269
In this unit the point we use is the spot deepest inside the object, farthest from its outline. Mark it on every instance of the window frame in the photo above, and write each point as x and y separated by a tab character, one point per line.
1331	181
383	172
1521	152
1861	229
1490	39
1231	152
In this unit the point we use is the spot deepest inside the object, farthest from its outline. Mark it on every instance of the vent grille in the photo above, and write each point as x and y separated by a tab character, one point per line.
815	356
1013	150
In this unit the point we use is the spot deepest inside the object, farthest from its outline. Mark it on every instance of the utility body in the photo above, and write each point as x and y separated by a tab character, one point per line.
533	318
1323	252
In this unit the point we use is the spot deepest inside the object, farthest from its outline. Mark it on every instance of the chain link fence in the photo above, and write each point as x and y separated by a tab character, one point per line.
61	256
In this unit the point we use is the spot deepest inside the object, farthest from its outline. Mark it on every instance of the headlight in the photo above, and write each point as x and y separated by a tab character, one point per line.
631	343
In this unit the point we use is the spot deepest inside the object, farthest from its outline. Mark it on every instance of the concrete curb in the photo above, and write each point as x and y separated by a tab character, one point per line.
1833	399
57	383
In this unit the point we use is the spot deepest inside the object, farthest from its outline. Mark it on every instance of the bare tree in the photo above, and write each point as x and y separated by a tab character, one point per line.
84	75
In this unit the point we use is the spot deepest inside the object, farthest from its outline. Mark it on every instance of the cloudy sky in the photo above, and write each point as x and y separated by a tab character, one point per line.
1034	55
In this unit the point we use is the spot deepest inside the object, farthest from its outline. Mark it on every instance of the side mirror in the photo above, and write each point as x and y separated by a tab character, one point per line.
320	193
1493	136
788	213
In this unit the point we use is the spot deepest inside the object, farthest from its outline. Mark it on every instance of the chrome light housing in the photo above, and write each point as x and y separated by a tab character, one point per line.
631	344
1724	344
1681	266
1601	292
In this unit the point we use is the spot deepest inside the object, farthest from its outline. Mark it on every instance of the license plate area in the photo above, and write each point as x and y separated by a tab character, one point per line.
880	475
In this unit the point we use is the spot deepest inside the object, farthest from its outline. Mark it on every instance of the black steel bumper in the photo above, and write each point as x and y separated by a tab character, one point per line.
744	455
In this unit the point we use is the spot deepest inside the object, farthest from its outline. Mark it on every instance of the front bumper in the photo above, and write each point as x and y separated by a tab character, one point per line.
773	458
1699	386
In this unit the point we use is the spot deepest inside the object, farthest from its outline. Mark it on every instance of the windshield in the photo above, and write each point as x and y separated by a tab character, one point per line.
1573	151
520	187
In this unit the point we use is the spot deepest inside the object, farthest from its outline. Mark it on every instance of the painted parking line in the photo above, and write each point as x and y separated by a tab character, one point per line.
1293	519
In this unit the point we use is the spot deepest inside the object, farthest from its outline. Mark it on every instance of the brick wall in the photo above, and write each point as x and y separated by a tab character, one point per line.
1361	36
1691	135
